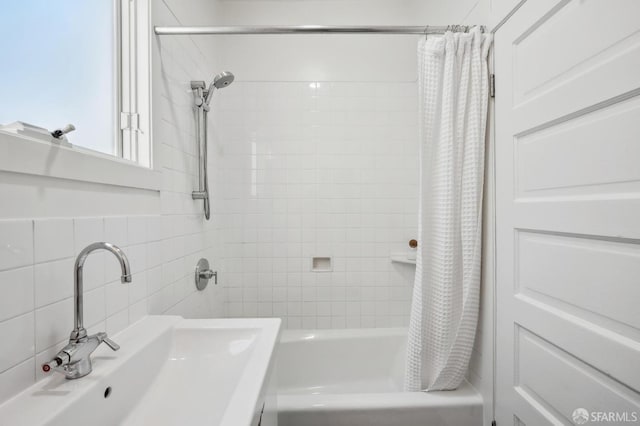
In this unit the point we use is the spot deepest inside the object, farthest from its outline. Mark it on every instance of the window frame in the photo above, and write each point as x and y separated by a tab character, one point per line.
132	164
133	91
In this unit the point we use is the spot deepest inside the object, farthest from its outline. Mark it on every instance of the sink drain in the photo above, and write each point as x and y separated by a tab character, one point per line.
107	392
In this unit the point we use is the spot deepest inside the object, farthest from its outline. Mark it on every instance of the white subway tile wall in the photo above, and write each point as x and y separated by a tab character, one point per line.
36	308
306	169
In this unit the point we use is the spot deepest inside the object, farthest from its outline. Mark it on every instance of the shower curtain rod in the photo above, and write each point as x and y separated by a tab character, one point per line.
312	29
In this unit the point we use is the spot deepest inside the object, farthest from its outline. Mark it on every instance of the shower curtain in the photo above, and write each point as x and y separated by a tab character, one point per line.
453	86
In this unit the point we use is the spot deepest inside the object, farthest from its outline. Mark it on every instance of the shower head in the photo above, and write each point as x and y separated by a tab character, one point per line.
223	79
220	81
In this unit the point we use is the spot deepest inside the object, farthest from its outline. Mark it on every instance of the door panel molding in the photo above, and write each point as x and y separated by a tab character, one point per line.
567	210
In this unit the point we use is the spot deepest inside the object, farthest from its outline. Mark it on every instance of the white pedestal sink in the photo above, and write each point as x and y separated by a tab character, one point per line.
169	371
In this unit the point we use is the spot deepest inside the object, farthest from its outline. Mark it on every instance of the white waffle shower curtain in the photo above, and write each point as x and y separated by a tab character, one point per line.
453	93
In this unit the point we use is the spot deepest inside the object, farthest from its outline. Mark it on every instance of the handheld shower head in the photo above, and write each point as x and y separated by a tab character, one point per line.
220	81
223	79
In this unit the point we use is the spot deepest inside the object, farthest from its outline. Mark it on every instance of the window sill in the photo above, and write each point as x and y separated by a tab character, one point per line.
22	154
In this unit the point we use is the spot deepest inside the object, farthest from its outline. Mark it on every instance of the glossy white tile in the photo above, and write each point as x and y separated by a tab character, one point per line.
18	342
17	290
53	239
94	306
53	281
53	323
15	379
86	231
116	297
16	243
115	231
330	172
137	229
117	322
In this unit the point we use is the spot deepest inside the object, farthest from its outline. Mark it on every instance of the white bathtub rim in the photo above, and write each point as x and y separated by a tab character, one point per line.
465	396
289	336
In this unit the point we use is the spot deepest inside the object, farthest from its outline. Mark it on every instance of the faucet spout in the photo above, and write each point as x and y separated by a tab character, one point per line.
79	333
74	360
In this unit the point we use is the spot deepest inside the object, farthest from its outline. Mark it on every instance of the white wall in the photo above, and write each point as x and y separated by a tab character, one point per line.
175	63
319	57
333	118
317	169
45	222
333	57
315	155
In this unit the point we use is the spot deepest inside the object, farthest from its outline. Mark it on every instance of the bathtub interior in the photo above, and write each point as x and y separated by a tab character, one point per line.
341	361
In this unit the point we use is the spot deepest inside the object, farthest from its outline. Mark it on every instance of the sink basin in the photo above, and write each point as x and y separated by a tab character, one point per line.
169	371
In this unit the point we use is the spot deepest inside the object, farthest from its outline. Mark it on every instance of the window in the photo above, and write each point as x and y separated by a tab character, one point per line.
80	62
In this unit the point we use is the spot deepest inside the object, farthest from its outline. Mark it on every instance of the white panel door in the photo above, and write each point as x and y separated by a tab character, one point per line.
568	213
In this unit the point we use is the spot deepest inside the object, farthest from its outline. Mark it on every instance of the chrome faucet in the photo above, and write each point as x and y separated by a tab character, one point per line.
74	360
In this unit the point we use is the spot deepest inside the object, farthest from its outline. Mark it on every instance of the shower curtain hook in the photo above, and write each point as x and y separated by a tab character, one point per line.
426	32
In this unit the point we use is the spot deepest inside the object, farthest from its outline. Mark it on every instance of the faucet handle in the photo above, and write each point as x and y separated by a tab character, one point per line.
51	365
102	337
59	362
113	345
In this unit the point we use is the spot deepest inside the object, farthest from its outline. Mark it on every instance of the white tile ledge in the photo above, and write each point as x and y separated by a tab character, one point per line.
402	258
22	154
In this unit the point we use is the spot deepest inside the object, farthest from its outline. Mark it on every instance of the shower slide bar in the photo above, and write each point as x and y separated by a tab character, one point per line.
312	29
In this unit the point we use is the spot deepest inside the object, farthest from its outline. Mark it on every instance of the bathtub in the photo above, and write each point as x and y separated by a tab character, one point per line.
354	378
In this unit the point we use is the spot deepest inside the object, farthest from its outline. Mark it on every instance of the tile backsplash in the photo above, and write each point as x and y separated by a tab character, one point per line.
36	282
316	169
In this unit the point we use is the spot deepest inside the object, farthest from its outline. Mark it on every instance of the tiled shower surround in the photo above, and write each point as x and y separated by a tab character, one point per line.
304	169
